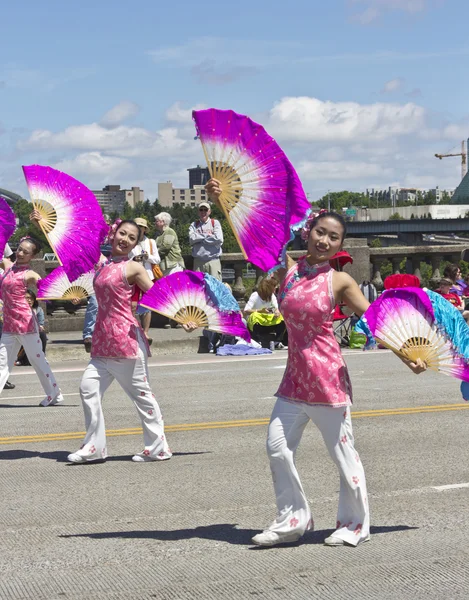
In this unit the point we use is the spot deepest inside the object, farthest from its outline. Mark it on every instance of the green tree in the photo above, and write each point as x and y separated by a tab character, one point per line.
22	210
395	217
344	199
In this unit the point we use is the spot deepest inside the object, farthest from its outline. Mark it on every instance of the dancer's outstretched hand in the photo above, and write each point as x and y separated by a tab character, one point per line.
190	326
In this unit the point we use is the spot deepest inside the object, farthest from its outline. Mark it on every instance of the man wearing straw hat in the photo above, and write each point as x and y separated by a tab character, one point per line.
145	252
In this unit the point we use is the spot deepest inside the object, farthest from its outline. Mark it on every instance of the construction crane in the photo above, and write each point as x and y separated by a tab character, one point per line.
462	154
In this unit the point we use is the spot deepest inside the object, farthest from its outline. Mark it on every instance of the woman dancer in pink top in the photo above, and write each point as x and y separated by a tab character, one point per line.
316	387
120	351
20	326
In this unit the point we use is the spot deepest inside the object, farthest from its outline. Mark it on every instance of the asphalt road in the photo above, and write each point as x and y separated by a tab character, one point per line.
181	529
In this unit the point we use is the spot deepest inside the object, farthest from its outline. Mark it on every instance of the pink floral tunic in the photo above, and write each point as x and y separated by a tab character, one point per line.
315	372
116	331
18	316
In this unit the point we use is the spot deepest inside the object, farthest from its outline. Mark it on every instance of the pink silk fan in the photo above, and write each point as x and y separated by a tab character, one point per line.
7	224
262	196
196	297
72	219
57	286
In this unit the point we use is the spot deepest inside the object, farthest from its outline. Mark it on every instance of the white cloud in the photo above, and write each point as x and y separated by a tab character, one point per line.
306	119
94	166
121	141
120	113
394	85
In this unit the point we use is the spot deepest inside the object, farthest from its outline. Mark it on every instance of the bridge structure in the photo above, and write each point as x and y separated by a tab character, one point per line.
10	197
409	231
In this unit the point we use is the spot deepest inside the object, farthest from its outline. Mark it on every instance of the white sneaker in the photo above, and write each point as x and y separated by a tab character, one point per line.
78	459
142	457
48	401
333	540
270	538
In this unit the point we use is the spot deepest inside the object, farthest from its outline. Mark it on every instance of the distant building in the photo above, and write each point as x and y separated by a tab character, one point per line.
439	194
198	176
112	199
169	196
408	195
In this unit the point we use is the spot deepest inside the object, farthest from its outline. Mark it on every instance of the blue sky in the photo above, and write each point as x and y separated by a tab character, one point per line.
359	93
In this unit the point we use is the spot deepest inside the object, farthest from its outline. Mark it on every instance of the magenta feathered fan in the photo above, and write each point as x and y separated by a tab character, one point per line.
72	219
57	286
188	296
262	196
7	224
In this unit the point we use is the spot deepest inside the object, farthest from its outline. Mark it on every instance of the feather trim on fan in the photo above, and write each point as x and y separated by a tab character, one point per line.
57	286
186	297
72	219
405	320
7	224
262	196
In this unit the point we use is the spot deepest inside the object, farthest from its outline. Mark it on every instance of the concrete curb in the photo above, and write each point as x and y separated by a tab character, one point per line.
58	352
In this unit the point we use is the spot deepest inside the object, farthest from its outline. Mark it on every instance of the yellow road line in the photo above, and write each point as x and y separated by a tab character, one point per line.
74	435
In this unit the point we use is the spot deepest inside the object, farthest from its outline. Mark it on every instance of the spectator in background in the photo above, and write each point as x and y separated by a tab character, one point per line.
369	291
22	359
146	252
446	290
167	244
453	273
263	316
206	240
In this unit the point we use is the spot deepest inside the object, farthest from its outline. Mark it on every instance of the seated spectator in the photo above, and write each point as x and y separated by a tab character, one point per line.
22	359
445	289
263	317
453	273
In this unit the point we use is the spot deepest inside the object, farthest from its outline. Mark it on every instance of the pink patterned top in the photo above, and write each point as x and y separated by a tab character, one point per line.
116	331
316	372
18	316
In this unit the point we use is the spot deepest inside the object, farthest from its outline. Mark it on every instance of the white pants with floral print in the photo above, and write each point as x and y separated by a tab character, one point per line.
132	375
286	427
10	344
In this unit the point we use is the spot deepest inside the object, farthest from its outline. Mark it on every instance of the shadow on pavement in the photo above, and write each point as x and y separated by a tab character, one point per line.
225	532
60	456
37	406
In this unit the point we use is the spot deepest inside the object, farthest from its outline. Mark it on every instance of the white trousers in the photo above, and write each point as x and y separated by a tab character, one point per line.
132	375
286	427
10	343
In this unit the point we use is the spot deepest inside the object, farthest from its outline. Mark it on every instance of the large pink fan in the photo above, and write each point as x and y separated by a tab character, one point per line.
188	296
57	286
7	224
72	219
262	196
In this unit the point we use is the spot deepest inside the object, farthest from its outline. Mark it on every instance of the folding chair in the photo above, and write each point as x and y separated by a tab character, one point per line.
342	325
